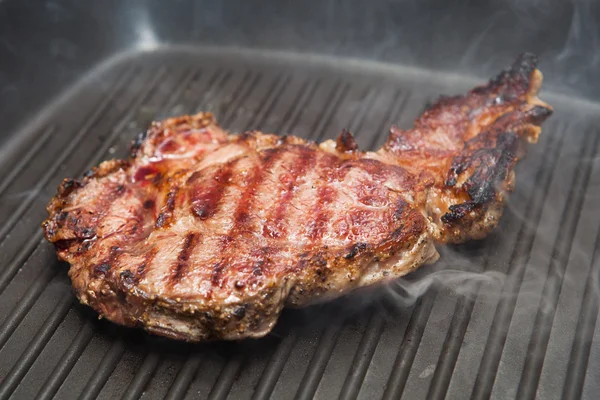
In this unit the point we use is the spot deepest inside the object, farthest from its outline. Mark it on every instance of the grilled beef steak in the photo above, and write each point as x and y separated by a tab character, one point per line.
206	235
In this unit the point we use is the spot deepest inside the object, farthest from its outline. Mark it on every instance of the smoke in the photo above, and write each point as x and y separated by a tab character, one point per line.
564	34
582	38
26	194
405	292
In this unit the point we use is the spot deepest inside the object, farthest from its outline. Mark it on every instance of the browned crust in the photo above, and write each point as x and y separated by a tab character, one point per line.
460	187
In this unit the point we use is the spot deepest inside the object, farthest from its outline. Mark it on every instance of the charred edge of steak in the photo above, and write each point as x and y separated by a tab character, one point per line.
514	81
68	186
345	142
492	164
491	167
538	114
356	249
458	211
512	85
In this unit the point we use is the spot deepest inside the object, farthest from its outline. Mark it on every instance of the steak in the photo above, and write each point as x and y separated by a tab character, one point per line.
204	235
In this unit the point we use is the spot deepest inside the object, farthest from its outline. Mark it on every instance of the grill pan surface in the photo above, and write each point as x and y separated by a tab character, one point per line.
530	334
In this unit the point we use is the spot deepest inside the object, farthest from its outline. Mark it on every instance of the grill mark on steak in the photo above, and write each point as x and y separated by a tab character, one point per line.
306	160
178	270
142	269
136	231
331	167
165	218
104	267
260	172
242	214
409	223
217	270
88	227
206	199
325	195
215	277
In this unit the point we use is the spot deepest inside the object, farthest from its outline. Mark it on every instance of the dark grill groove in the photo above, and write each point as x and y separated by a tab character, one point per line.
560	256
408	349
106	367
356	123
20	310
338	94
184	378
290	119
189	75
225	381
245	89
505	310
216	83
362	358
580	352
36	346
12	268
27	157
271	373
321	355
141	378
67	362
275	93
394	112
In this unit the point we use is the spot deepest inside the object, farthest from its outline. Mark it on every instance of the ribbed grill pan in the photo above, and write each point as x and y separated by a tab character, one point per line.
521	324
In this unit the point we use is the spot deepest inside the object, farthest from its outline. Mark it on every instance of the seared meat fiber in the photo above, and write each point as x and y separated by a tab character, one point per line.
205	235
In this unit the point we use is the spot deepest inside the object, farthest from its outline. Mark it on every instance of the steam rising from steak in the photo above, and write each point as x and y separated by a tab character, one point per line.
205	235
